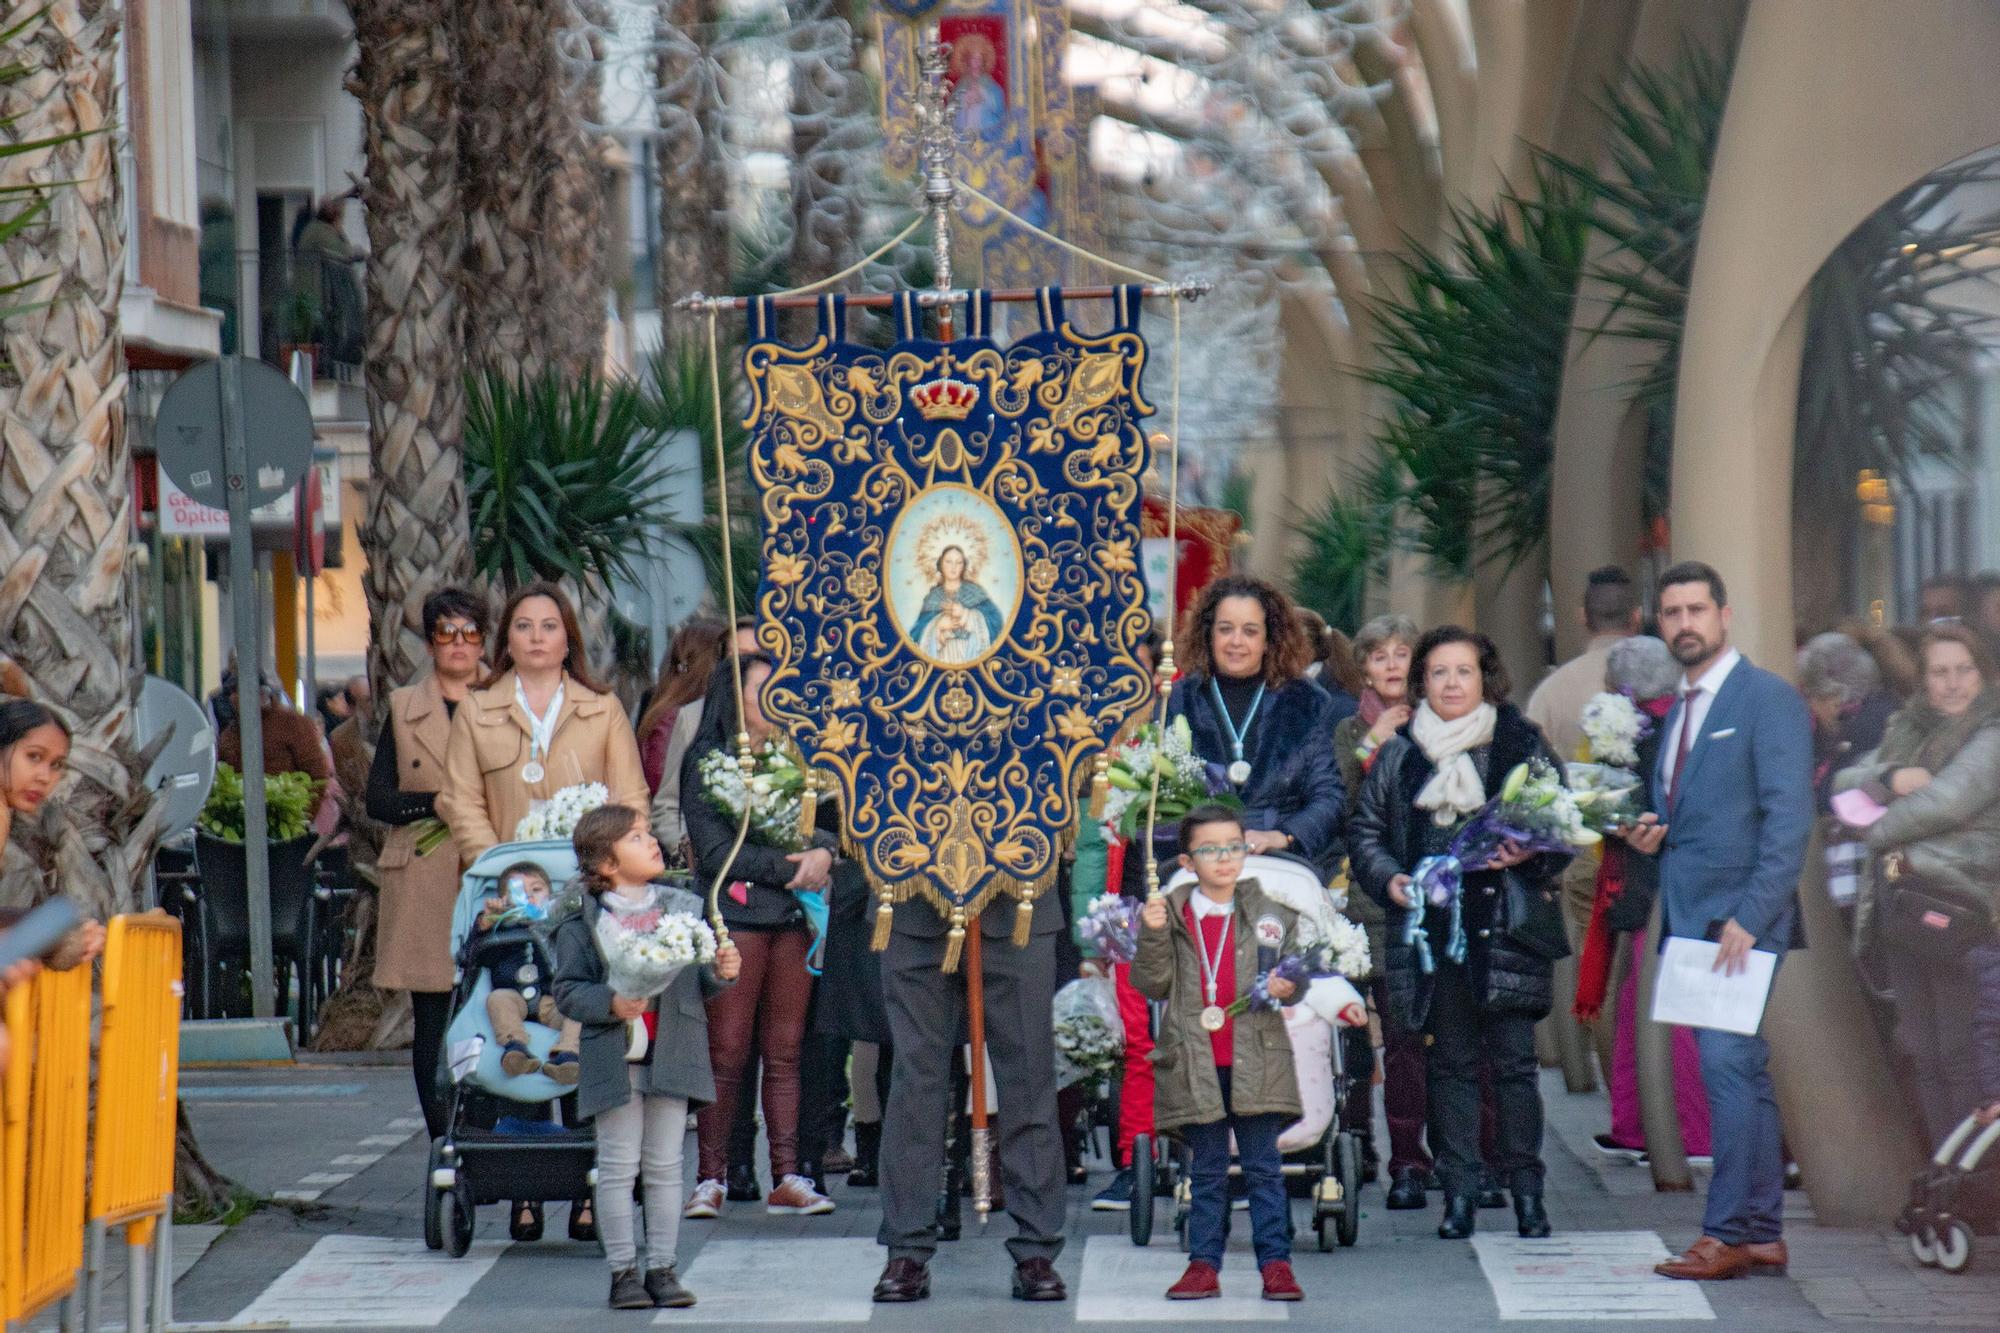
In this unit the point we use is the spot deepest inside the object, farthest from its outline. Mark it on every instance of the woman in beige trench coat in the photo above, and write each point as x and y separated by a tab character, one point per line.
413	934
537	725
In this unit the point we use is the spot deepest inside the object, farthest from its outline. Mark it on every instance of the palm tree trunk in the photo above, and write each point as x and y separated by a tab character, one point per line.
830	125
694	182
578	226
509	167
415	533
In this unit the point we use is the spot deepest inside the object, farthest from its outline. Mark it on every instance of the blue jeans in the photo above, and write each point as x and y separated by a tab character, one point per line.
1257	1154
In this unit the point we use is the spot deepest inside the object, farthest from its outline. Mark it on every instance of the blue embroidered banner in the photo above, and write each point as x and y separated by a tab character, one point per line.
950	581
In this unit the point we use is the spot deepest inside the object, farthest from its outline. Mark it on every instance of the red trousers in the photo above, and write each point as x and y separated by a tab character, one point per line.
768	1001
1135	1096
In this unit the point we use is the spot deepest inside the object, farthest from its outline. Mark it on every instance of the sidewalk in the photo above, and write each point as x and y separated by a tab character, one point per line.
352	1256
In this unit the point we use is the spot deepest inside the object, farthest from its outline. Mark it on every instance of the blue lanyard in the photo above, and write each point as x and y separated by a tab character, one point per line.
1236	734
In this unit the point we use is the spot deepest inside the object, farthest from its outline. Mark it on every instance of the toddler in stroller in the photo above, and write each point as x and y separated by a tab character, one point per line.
520	982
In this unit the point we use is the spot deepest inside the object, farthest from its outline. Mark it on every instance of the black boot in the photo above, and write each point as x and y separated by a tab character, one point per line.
1406	1192
867	1156
1529	1215
1460	1215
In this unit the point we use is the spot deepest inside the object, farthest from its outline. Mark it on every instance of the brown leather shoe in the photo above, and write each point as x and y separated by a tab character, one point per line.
1707	1260
1768	1256
902	1281
1036	1280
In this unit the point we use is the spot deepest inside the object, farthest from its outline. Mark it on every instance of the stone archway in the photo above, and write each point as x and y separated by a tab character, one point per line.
1835	105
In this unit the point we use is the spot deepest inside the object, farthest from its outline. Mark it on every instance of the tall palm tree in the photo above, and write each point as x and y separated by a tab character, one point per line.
576	258
694	182
415	534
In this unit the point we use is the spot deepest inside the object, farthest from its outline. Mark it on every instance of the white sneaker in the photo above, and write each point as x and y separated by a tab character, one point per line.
705	1203
796	1195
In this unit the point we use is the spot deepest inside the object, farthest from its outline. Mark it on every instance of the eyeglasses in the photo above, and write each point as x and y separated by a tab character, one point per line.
468	634
1228	851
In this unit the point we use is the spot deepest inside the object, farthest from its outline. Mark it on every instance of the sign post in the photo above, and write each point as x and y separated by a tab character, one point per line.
203	432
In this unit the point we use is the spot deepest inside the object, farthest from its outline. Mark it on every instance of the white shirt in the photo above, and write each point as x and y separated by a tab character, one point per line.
1205	906
1695	712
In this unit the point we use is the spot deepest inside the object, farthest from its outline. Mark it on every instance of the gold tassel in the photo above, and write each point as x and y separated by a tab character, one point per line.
1024	919
954	942
809	806
1100	788
885	917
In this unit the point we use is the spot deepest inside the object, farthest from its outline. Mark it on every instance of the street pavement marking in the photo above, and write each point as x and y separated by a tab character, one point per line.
406	1123
1124	1284
357	1159
296	1195
371	1282
265	1092
1588	1275
757	1282
325	1179
386	1140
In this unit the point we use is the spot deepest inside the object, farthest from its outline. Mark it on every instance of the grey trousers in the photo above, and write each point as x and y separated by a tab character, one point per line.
926	1010
646	1138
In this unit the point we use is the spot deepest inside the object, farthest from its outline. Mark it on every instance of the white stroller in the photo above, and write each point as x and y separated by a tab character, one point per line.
1953	1198
503	1140
1319	1159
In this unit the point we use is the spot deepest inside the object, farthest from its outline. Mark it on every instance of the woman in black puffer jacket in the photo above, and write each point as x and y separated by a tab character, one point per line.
1438	769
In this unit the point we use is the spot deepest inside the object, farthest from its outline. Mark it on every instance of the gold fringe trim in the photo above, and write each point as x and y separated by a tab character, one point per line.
809	806
1100	788
1024	919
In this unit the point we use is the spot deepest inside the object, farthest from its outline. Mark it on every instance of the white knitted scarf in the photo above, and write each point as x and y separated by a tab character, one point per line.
1455	790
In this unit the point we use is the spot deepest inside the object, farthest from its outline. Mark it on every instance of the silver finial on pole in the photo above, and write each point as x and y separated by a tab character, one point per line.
937	150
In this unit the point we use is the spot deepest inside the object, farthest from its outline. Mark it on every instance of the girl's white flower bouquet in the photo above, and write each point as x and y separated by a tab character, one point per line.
643	955
556	817
1185	781
1614	726
774	793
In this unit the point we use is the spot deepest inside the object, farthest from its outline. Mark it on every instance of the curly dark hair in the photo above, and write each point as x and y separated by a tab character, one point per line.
456	602
1286	652
1492	672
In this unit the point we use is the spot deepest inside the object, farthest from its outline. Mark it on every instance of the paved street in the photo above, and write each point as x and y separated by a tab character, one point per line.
338	1149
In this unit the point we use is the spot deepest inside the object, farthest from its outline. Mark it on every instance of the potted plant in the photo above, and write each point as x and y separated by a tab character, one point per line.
299	318
290	801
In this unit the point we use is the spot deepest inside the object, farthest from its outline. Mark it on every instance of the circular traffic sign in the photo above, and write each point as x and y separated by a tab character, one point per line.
277	432
183	769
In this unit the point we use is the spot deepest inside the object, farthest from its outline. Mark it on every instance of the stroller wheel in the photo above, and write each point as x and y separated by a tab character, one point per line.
1144	1176
1348	1220
1954	1246
433	1205
459	1221
1923	1244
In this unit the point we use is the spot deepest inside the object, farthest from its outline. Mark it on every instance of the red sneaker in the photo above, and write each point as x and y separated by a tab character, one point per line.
1279	1284
1199	1283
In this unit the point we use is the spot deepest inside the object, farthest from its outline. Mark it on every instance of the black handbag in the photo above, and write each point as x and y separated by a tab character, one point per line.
1929	919
1534	918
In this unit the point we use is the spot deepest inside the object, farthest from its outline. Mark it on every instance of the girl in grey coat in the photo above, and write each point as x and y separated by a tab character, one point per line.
645	1062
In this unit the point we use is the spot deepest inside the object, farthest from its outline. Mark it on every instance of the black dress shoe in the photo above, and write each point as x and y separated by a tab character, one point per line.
743	1186
1460	1217
902	1281
1037	1280
1406	1192
1531	1217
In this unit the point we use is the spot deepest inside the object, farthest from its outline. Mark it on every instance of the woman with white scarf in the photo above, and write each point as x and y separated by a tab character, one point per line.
1435	771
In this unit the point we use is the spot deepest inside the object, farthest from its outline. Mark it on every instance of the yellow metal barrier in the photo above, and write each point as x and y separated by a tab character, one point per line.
44	1111
138	1083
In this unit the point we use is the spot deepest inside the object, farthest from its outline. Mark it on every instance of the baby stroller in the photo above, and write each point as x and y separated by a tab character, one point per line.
503	1140
1321	1161
1953	1198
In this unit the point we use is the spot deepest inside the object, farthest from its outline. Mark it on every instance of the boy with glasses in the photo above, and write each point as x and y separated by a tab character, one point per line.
1217	1073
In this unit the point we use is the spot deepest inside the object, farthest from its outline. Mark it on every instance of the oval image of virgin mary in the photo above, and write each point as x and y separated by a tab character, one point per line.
954	576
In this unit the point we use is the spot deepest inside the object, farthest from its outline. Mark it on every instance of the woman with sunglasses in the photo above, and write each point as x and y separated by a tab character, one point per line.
413	937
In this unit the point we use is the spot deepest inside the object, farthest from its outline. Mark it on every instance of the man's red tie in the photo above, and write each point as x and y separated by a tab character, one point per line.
1688	697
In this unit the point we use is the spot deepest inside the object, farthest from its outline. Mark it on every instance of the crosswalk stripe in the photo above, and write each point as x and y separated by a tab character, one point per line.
371	1282
1124	1284
757	1282
1589	1275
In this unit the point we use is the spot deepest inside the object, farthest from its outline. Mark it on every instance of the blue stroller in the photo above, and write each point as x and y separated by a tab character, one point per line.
504	1139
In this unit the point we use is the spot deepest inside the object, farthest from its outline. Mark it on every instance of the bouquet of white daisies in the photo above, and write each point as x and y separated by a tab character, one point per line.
556	817
644	953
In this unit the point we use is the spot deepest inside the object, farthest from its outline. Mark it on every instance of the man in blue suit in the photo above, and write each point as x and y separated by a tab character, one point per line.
1735	771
